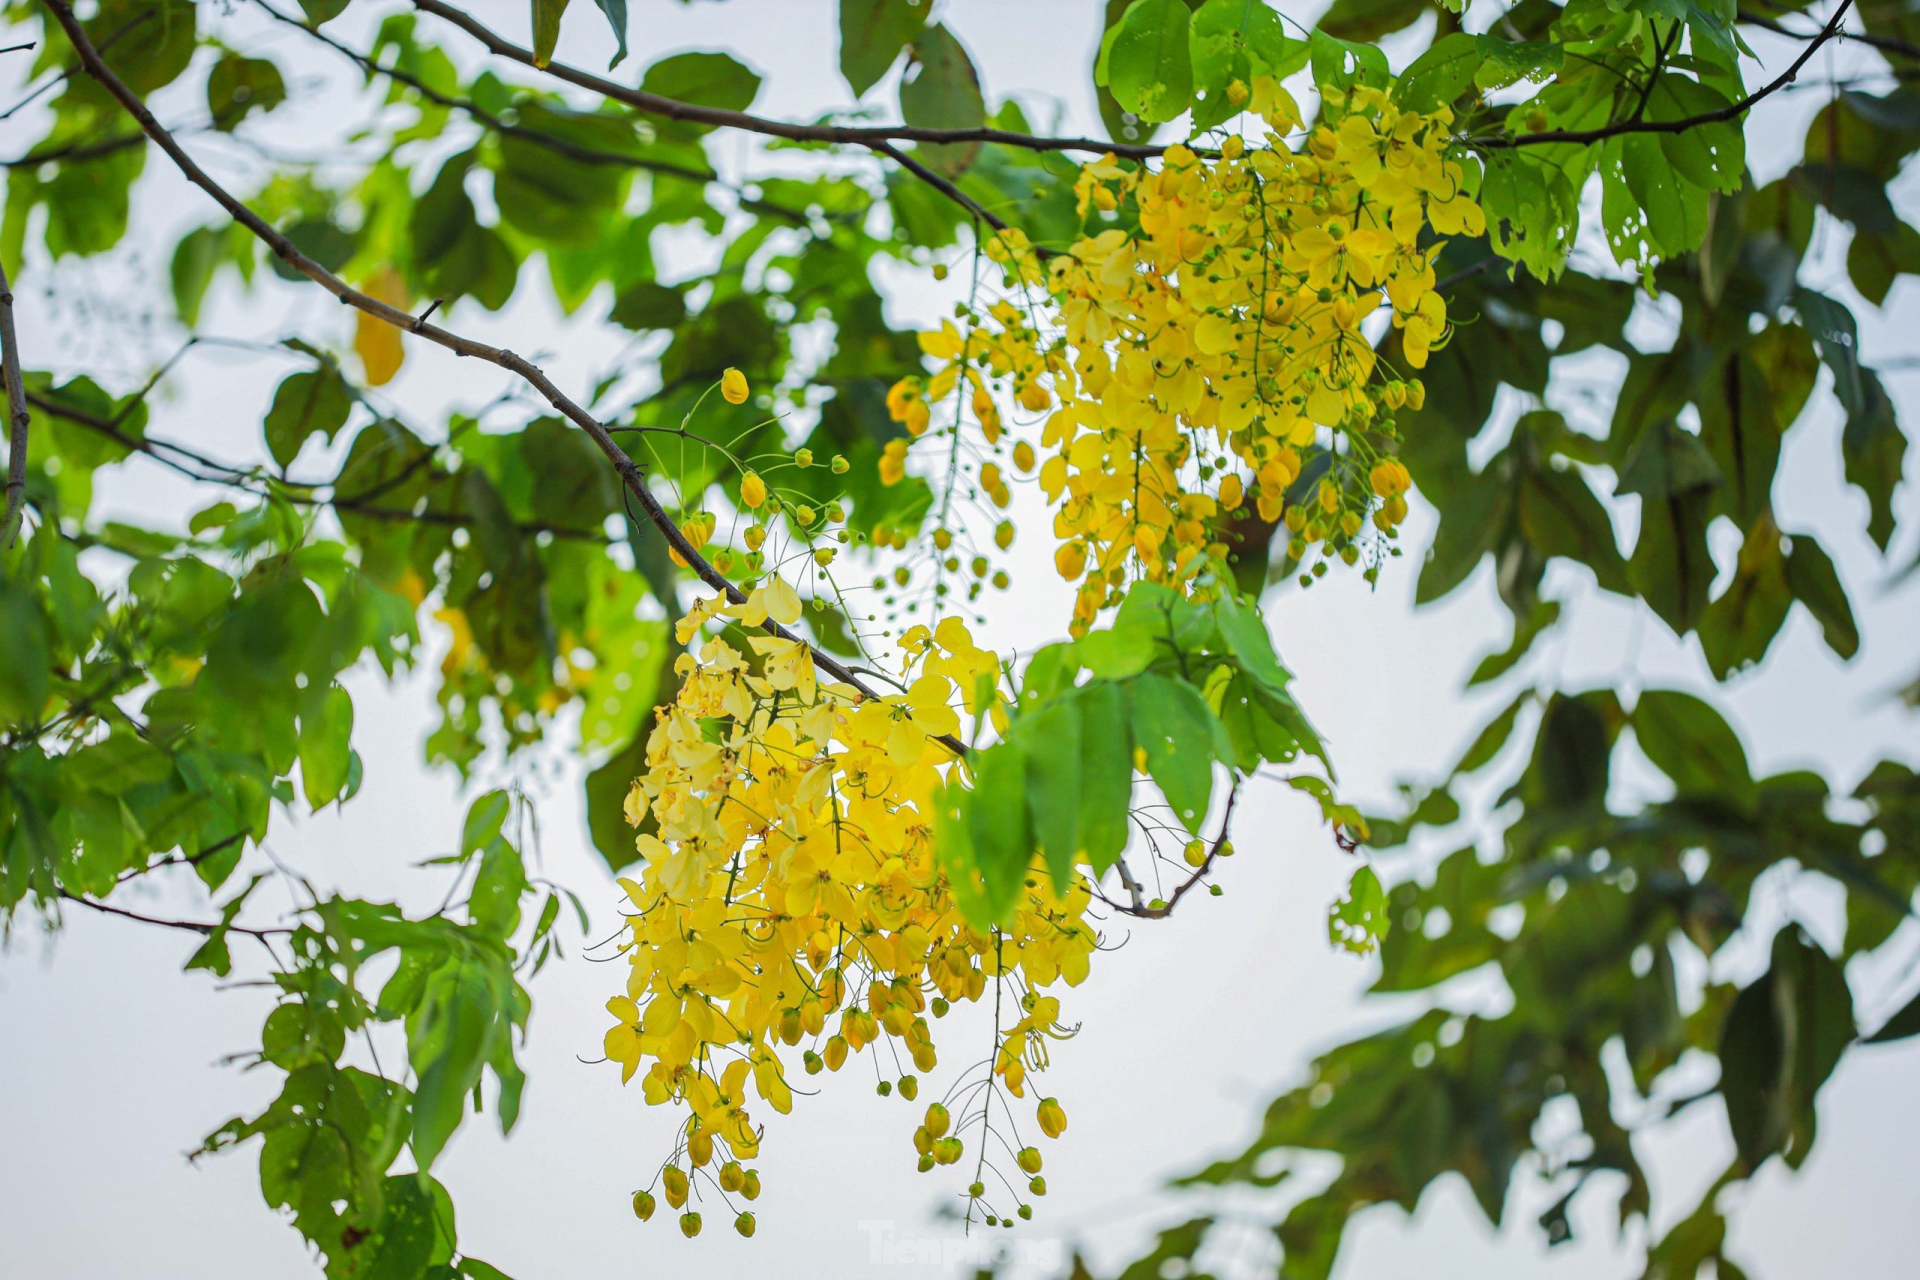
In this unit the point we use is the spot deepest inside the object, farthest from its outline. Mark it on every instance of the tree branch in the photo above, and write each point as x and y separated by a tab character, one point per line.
1580	137
1165	909
562	146
18	419
942	184
232	477
192	926
1885	44
285	249
869	136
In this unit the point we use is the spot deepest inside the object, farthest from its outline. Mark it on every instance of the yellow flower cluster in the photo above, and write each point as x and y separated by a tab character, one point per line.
790	897
1209	346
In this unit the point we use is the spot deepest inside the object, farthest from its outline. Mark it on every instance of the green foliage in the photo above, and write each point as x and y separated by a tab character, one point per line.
170	694
1174	687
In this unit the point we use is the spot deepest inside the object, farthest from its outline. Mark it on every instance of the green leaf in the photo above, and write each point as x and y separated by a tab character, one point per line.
1875	453
1876	259
1737	627
1525	632
1106	773
872	34
485	818
616	12
449	1039
1675	208
1507	62
647	304
1359	921
316	401
494	905
1782	1039
1671	568
546	29
1149	63
1741	428
1245	634
1838	338
415	1231
26	675
1231	40
953	846
319	11
238	86
1492	736
710	79
607	789
195	258
1901	1026
1052	738
1176	728
941	90
1690	743
998	820
1340	65
456	256
1114	653
326	725
1815	583
300	1033
1441	74
1572	755
1368	20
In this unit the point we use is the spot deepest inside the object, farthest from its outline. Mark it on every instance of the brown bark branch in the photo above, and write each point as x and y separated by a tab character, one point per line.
192	926
18	419
285	249
232	477
1581	137
1885	44
869	136
561	146
1165	909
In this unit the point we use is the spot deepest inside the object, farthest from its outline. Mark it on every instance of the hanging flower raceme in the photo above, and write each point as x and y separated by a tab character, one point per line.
1205	351
789	912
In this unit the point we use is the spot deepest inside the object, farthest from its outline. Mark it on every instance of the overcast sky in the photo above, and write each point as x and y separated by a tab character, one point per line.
110	1057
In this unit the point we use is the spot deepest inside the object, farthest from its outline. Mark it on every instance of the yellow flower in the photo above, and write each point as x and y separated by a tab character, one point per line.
733	387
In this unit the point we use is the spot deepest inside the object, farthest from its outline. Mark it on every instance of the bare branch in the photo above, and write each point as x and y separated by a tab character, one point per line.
561	146
18	418
1885	44
869	136
1165	909
945	187
1580	137
214	471
285	249
192	926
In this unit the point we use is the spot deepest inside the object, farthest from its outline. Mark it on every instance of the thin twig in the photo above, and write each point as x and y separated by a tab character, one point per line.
1885	44
285	249
225	473
1165	909
552	142
192	926
849	135
1580	137
67	72
18	418
942	184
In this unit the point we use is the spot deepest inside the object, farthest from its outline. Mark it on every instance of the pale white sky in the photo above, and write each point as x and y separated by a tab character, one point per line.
109	1056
